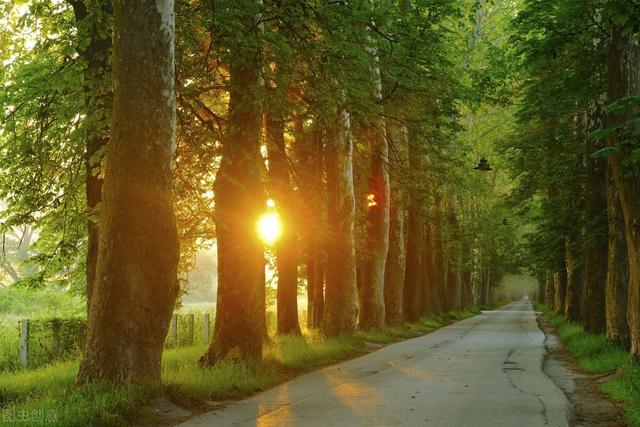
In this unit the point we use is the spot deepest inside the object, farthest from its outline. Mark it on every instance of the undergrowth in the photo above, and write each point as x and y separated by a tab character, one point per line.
596	355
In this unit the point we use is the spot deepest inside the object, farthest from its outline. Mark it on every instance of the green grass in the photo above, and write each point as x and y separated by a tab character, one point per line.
49	393
596	355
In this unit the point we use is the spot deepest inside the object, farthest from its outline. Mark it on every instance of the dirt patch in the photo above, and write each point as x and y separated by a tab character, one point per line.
590	406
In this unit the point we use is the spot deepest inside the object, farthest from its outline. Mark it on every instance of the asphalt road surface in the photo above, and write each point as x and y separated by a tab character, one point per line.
482	371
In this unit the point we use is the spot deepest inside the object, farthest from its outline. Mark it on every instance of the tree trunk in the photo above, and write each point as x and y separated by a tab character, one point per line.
454	258
617	287
136	273
287	246
98	97
427	290
394	271
439	281
340	310
239	200
549	290
309	152
414	257
593	297
560	289
623	70
396	257
575	281
372	311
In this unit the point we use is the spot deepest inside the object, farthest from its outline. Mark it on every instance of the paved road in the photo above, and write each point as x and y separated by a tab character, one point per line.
482	371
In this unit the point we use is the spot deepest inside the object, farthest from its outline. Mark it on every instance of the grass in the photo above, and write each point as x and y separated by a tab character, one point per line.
47	395
596	355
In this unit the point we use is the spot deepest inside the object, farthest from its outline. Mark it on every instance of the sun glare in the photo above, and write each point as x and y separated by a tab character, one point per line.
270	227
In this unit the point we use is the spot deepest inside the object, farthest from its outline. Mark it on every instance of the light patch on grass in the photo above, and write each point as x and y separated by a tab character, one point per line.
304	352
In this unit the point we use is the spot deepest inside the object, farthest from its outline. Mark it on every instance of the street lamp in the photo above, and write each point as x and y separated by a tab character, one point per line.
483	165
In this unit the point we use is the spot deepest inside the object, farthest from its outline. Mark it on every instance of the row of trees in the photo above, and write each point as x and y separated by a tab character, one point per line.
128	156
575	156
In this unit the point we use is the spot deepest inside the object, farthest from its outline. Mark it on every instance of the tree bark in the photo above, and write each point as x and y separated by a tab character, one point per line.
340	310
575	281
617	287
372	312
239	199
286	247
427	290
560	289
395	268
309	152
596	241
136	273
454	259
439	280
549	290
623	71
396	257
414	257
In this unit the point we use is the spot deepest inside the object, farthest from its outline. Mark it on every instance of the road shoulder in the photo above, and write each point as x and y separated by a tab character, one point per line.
589	405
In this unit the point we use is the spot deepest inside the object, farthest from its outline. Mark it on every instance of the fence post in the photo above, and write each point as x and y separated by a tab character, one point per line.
24	343
55	338
206	328
190	322
174	330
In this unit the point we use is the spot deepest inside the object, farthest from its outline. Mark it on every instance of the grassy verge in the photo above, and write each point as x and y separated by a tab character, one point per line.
596	355
46	396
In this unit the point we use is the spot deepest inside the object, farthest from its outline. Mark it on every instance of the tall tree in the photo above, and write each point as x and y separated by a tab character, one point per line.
394	272
596	227
617	286
372	312
136	271
415	228
239	196
340	310
623	71
287	246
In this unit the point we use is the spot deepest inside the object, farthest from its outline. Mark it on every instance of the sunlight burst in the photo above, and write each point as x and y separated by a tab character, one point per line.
270	227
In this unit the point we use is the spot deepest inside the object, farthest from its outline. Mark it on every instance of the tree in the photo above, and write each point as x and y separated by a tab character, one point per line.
239	196
371	308
596	228
623	57
287	246
138	252
340	314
